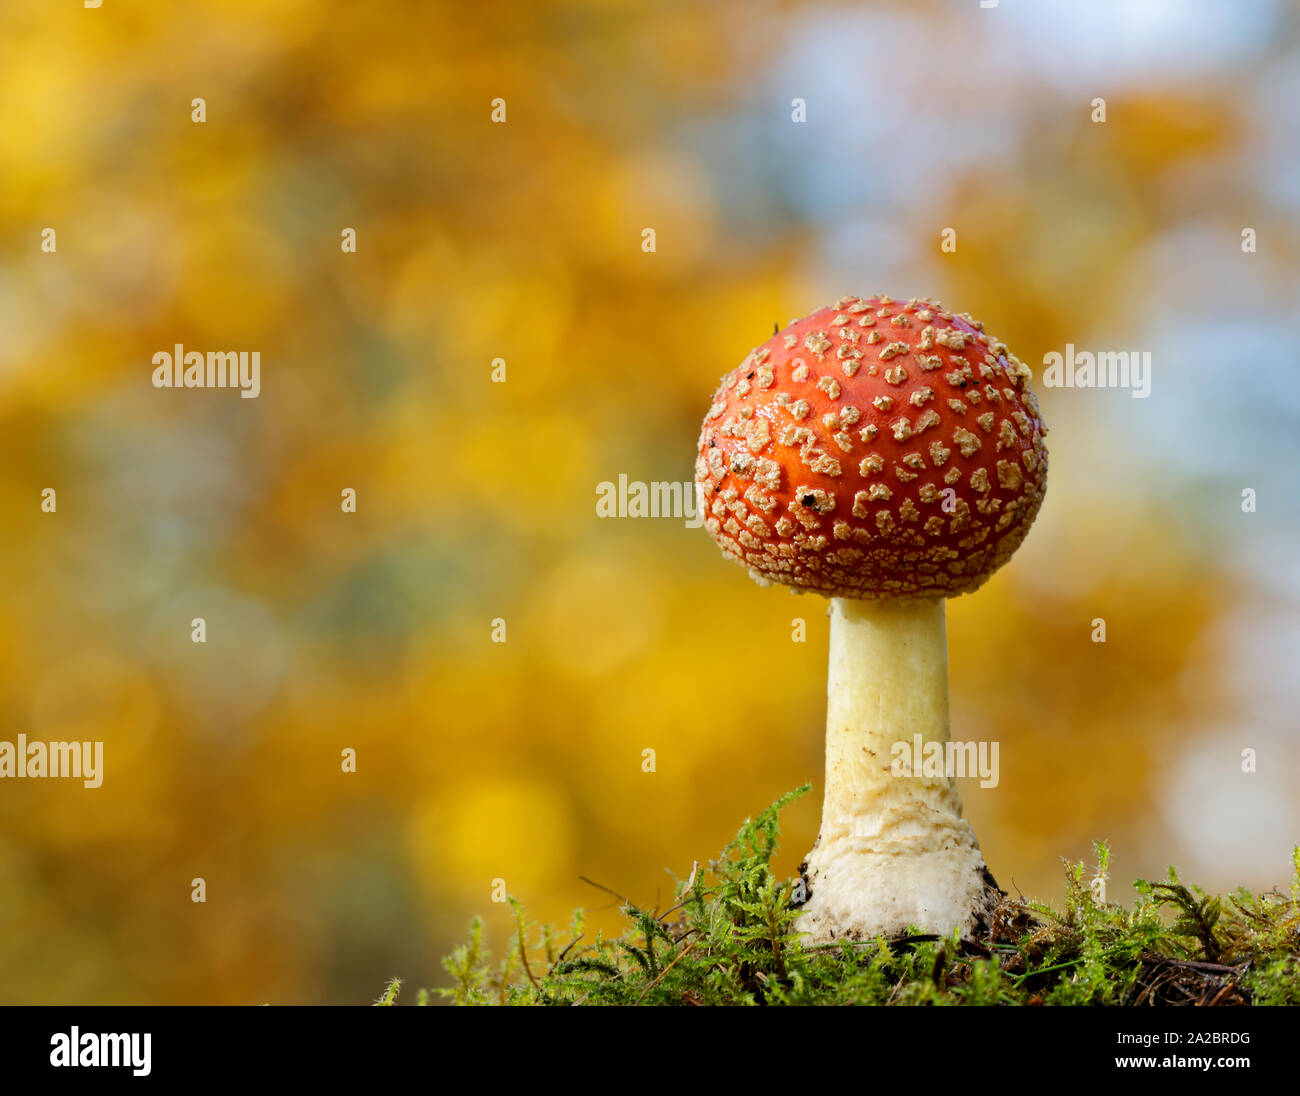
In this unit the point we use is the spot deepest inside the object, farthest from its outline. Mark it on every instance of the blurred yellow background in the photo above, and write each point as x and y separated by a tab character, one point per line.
522	241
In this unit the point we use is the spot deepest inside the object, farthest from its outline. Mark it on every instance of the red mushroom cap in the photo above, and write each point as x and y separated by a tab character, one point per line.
874	450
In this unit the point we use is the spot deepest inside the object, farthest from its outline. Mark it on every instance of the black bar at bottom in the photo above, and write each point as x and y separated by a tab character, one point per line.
367	1045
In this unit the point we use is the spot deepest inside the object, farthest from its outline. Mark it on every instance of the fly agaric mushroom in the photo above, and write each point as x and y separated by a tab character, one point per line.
887	456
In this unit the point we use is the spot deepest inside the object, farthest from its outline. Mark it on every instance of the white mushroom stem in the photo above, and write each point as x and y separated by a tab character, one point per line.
893	851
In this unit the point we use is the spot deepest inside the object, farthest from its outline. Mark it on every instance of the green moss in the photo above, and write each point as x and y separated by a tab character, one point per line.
728	939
